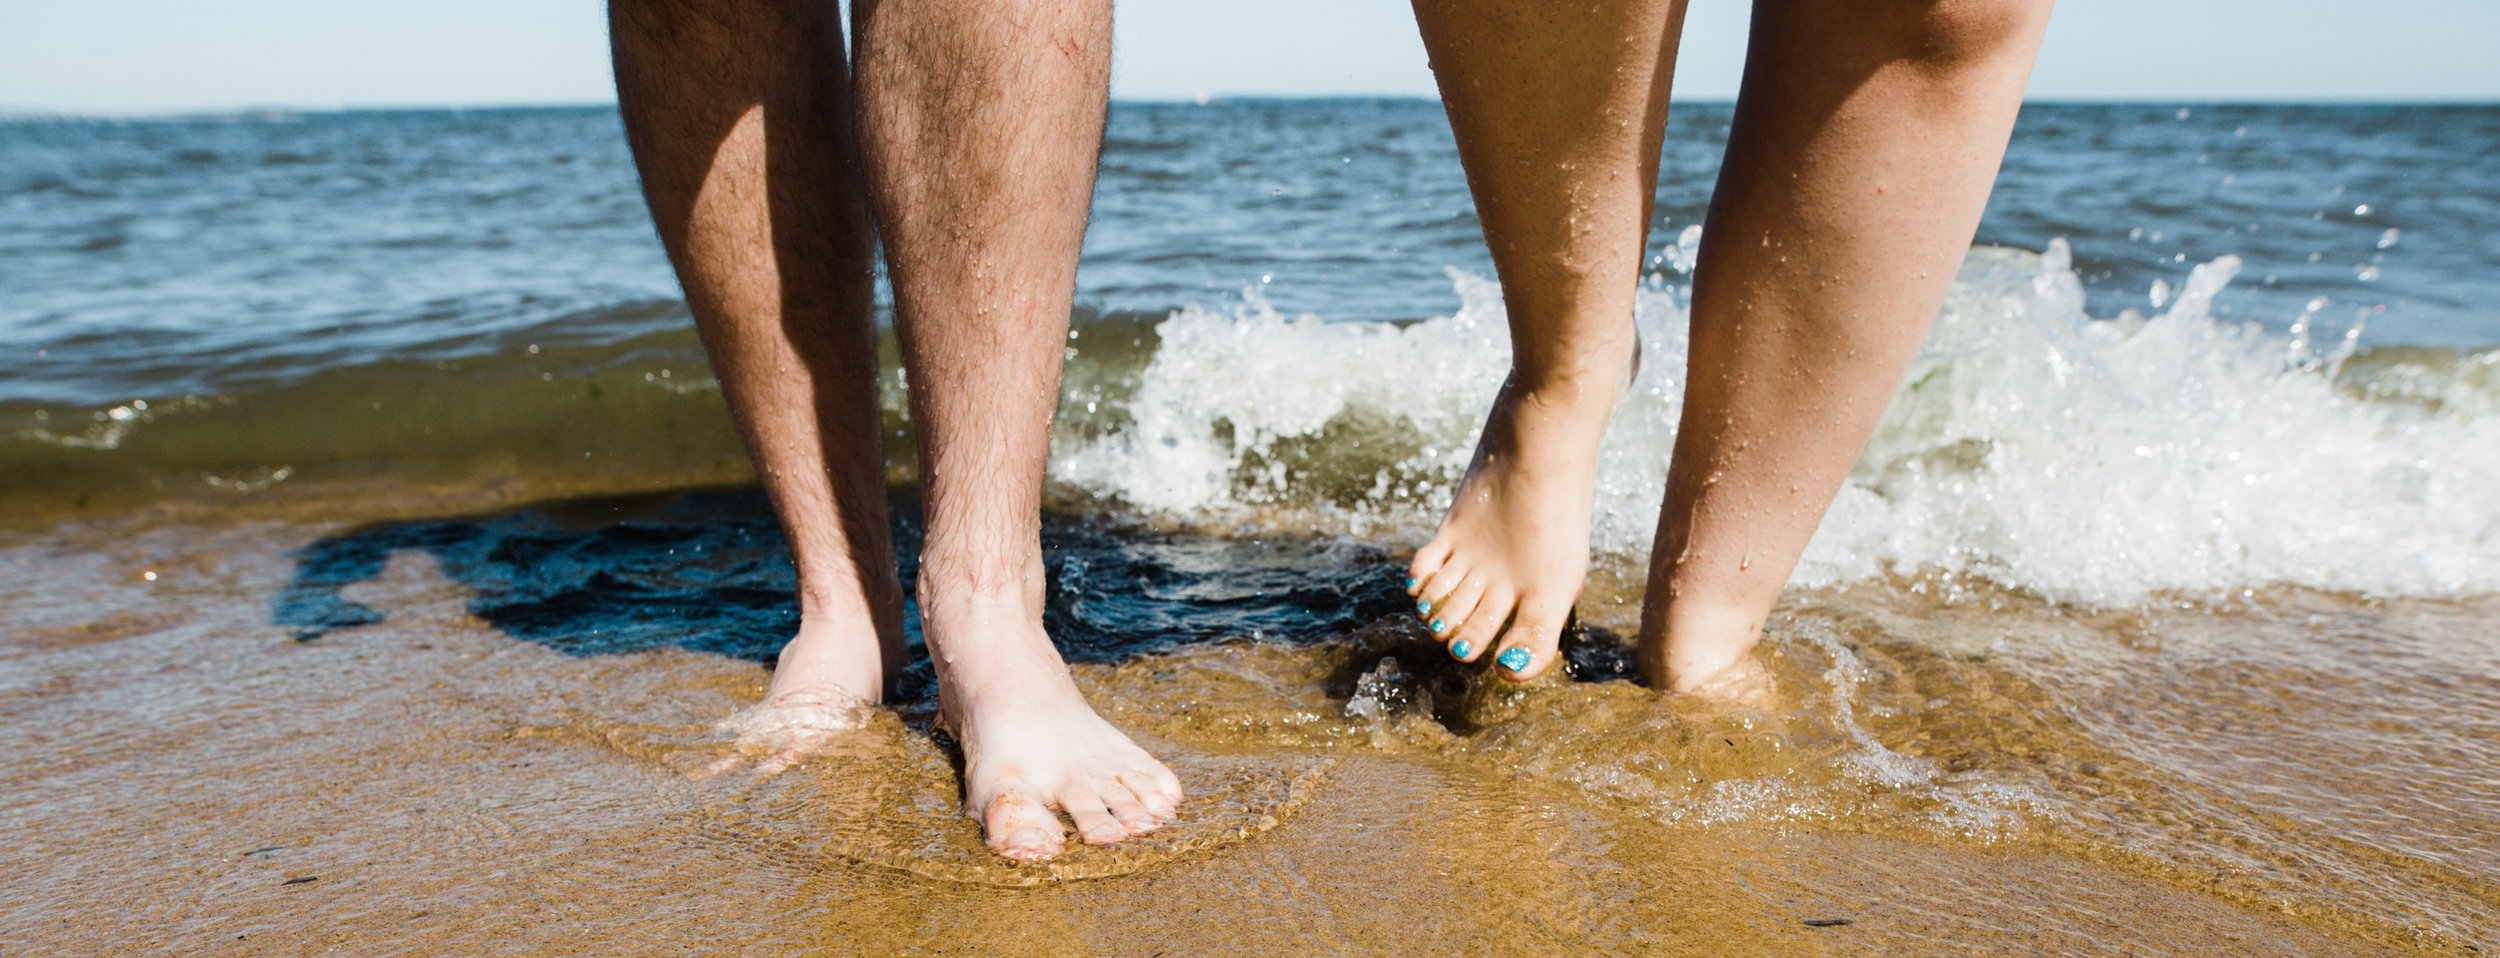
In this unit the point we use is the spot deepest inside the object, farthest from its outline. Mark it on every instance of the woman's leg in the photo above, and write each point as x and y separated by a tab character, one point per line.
1865	141
1558	110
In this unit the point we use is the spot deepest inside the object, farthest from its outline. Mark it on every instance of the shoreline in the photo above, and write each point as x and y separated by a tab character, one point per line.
441	780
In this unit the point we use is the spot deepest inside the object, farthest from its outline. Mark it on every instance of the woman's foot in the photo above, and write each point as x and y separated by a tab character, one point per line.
1702	651
1032	747
1500	575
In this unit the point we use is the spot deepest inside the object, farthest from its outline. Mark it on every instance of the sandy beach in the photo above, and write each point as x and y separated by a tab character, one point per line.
187	777
382	560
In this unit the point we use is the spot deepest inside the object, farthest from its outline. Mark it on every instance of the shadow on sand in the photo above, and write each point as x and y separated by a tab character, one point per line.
708	570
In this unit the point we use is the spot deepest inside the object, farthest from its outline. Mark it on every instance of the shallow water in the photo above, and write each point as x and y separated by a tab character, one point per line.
386	560
1927	778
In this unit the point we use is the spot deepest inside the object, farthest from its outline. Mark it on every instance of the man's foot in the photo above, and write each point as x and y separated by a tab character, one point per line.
1033	748
836	658
829	678
784	730
1500	575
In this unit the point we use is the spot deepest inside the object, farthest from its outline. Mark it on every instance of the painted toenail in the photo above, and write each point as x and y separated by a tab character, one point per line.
1439	626
1422	606
1410	583
1515	659
1460	648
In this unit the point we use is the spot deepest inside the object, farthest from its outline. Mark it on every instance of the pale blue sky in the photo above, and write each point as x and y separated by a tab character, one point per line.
156	56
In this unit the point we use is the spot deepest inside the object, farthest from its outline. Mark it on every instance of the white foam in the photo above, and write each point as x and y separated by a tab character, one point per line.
2092	461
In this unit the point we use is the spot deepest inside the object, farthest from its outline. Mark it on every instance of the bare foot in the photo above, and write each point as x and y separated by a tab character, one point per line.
829	677
1032	747
784	730
842	656
1501	573
1700	649
1743	683
1711	663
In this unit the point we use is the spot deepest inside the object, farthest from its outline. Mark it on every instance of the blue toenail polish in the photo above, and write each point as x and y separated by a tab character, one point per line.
1439	626
1410	583
1422	606
1460	648
1515	659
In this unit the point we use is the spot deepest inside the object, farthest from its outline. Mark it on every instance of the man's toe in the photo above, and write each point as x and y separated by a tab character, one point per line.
1156	788
1020	828
1128	808
1093	819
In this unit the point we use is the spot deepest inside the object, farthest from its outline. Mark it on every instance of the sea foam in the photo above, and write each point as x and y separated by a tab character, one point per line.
2089	460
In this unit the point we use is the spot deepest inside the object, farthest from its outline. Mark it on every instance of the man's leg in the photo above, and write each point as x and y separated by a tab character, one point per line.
981	121
1866	138
1558	110
740	123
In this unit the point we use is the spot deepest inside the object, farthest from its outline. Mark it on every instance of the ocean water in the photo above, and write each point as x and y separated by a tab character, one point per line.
2177	551
2198	348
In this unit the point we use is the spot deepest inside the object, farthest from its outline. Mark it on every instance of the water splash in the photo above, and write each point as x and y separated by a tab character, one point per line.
2089	460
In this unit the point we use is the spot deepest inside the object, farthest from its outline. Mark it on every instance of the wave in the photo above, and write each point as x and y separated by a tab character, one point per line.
2096	461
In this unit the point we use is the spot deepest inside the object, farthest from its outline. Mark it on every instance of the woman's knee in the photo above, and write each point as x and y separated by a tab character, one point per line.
1937	34
1948	33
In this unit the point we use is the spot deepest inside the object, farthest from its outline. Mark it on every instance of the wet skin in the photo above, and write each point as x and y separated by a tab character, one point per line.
765	167
1865	140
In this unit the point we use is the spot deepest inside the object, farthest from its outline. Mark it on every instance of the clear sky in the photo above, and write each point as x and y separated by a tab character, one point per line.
155	56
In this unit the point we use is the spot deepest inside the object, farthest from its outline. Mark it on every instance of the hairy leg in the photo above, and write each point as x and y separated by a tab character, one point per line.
1866	138
981	121
1558	112
740	124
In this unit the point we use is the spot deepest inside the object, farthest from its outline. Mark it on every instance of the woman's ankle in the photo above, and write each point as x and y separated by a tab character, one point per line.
1598	373
1691	647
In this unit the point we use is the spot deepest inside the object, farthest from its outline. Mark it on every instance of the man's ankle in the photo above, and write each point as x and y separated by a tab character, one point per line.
873	598
982	589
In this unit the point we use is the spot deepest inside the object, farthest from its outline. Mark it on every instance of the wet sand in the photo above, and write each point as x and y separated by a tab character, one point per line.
185	776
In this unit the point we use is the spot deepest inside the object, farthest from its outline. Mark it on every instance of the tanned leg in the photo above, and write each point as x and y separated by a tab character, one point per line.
740	123
981	121
1558	110
1866	138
